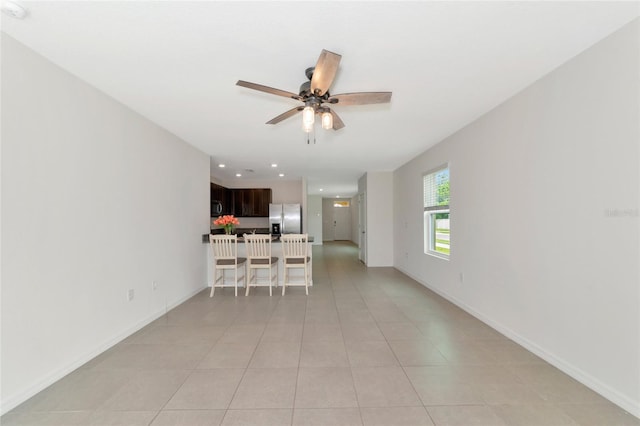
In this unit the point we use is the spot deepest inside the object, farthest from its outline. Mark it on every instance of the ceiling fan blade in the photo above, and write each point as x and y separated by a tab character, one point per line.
337	122
361	98
285	115
325	72
268	89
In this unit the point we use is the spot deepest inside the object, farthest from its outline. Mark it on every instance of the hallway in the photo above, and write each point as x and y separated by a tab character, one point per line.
368	346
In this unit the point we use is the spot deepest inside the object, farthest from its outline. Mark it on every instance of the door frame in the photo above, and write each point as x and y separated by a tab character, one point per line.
362	227
342	222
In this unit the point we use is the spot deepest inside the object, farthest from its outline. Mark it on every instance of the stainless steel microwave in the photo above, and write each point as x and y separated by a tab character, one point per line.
216	208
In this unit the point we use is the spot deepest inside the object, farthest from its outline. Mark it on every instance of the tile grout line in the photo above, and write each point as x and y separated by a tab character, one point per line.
244	372
386	340
295	388
191	371
353	380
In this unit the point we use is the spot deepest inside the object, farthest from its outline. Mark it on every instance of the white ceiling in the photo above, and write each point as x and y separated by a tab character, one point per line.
447	63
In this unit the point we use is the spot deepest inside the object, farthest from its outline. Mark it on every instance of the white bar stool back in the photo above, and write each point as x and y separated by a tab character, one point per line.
259	257
295	249
224	249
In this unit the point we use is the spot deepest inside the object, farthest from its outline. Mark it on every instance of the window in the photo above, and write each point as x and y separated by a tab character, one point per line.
437	231
341	203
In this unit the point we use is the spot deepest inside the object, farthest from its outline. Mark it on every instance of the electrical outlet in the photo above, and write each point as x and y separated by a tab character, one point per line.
154	285
130	294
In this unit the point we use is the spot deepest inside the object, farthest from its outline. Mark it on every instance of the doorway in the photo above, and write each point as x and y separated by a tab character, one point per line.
362	227
342	220
336	219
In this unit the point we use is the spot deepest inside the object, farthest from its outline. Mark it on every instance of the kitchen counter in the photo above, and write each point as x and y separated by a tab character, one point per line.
241	231
276	250
274	238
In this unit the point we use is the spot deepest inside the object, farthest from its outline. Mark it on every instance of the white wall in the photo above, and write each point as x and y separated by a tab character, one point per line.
535	187
355	220
362	198
96	200
314	218
327	219
380	224
305	207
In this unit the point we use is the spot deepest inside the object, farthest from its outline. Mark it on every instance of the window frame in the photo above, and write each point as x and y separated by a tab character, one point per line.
429	213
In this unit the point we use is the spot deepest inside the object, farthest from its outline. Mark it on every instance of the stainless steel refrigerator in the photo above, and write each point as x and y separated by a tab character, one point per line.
285	218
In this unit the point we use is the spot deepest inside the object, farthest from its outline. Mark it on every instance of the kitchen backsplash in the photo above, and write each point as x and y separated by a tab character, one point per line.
248	222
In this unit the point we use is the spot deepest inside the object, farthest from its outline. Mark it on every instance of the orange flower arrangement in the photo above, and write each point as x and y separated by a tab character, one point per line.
227	222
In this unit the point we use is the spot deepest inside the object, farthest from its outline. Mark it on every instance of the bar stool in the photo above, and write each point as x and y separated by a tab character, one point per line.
295	250
259	257
224	249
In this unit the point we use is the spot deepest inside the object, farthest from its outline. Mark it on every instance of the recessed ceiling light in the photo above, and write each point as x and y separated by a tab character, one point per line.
281	175
321	189
221	165
274	165
13	9
238	175
337	196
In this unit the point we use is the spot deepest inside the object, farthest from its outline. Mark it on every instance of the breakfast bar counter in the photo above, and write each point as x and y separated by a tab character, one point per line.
276	250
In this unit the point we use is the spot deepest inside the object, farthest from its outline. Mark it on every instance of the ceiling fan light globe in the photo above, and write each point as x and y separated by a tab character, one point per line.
307	127
308	115
327	120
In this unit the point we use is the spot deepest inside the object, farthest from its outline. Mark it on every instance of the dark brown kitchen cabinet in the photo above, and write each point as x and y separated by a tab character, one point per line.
261	200
221	200
241	202
251	202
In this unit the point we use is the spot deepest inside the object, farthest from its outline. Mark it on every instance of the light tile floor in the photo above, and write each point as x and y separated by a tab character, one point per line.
366	347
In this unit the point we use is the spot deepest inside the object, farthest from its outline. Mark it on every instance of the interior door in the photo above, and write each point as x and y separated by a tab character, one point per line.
362	227
342	223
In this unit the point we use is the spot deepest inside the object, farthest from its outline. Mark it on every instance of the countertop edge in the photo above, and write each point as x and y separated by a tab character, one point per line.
205	239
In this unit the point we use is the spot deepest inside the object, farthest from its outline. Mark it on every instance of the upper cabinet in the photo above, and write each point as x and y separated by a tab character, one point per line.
251	202
221	200
261	201
241	202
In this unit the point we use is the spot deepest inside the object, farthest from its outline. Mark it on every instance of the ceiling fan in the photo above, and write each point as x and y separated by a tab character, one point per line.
316	97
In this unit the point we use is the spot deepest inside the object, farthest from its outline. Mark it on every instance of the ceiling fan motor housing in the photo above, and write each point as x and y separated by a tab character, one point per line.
309	72
305	89
309	98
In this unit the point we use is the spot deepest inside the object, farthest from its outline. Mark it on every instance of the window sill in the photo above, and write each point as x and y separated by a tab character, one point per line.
438	255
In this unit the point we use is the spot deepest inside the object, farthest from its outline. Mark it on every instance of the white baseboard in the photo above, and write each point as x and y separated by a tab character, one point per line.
12	401
623	401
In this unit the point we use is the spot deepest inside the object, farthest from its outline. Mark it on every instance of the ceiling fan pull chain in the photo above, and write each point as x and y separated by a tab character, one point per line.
312	132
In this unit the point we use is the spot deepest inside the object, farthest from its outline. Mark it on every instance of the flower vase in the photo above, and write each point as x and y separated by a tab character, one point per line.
227	222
